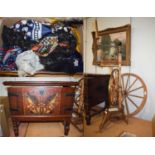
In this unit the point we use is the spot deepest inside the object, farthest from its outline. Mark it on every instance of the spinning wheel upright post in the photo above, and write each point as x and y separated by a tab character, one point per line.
119	77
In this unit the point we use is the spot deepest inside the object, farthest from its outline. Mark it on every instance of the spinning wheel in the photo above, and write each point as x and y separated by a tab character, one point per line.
133	92
127	95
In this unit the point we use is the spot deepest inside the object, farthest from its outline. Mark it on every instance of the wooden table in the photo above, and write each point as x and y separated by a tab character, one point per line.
95	92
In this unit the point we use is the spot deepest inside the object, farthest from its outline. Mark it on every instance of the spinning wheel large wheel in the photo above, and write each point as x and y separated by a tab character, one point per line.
133	91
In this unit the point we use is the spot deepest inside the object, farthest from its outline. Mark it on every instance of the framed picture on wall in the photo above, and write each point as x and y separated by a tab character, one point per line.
105	45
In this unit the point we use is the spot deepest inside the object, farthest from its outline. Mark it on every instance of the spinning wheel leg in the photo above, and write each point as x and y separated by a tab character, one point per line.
124	117
104	120
111	115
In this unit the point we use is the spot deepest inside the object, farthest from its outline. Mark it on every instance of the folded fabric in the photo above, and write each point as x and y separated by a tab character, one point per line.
28	63
66	38
64	33
63	60
56	45
34	30
8	58
12	38
46	46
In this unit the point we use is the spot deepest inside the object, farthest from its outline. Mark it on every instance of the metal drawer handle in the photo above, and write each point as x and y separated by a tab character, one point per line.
14	94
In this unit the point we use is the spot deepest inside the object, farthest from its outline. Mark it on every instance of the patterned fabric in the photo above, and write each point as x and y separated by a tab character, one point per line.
8	58
66	37
46	46
34	30
56	45
12	38
69	25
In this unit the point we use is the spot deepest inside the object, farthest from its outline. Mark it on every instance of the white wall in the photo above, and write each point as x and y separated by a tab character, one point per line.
143	59
142	53
103	23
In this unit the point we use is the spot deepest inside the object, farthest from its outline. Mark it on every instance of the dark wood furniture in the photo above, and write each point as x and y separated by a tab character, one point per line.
40	101
40	74
95	92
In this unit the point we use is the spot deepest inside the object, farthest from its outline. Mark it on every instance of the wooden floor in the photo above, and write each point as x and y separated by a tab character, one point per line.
44	130
138	127
135	126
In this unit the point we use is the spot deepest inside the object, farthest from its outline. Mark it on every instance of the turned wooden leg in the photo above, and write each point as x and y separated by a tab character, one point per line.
66	127
15	127
125	117
106	117
88	119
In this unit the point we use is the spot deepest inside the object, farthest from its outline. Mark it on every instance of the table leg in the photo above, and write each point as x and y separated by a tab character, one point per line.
15	127
66	127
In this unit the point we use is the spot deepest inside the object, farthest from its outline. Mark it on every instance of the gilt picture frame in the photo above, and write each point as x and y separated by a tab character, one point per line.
105	46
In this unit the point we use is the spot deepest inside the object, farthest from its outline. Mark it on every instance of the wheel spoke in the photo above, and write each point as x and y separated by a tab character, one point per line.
132	102
134	93
126	105
132	84
127	82
135	89
136	96
122	83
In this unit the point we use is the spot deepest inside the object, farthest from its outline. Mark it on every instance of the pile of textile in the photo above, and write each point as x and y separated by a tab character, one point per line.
30	46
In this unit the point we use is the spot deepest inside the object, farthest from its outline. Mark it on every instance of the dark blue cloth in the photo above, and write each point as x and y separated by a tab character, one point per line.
63	60
77	61
34	30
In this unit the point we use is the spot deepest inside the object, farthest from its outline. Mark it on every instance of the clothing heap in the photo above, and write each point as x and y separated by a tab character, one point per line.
30	46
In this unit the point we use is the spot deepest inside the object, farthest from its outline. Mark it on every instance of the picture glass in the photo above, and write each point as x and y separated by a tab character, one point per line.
105	46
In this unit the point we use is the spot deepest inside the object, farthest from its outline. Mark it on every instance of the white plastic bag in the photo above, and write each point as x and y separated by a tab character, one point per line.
28	63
